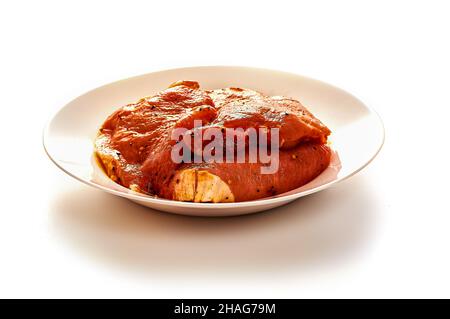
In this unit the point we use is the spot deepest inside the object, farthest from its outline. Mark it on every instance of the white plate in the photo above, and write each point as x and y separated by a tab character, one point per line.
357	131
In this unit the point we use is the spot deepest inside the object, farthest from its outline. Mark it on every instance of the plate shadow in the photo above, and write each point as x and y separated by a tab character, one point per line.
322	229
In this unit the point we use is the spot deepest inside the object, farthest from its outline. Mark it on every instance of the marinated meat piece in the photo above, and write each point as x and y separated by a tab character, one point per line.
229	182
136	139
247	108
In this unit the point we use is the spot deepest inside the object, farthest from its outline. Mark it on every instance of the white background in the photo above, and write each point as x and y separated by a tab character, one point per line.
383	233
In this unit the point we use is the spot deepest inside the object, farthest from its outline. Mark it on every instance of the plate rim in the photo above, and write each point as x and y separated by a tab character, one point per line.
252	203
